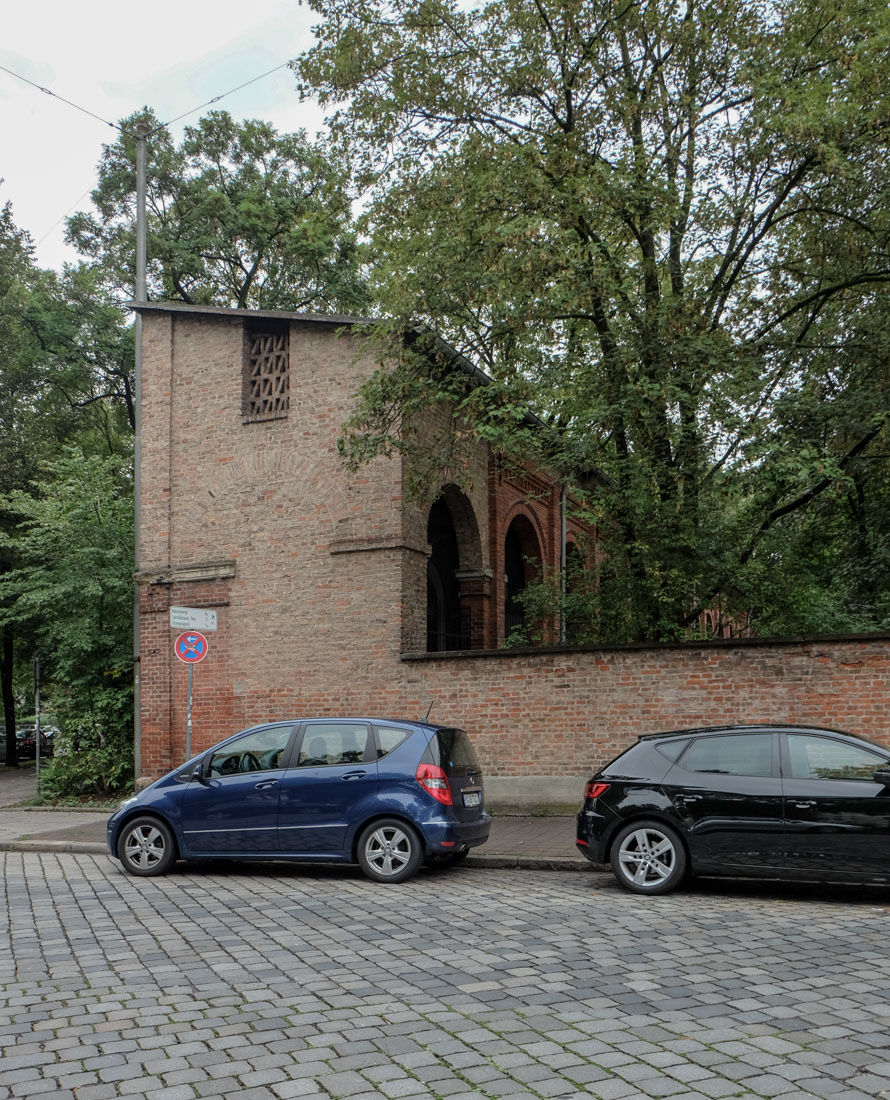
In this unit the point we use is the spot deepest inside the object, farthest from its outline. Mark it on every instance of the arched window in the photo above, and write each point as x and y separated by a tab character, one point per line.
522	563
453	536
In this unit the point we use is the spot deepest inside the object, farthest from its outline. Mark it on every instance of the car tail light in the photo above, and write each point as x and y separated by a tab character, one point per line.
594	790
434	781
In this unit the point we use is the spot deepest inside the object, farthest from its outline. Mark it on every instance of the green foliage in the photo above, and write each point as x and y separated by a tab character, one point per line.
666	229
238	215
93	755
66	410
73	583
85	358
68	595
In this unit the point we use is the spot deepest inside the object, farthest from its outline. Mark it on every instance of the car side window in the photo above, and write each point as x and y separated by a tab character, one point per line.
671	749
824	758
260	751
335	743
741	754
389	738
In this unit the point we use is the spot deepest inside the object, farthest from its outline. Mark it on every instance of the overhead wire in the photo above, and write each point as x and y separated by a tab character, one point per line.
122	129
76	203
217	98
160	126
70	103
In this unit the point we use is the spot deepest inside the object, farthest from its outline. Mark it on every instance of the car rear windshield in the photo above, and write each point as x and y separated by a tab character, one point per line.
453	752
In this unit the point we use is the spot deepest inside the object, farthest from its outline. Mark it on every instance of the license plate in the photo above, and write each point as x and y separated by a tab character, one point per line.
472	798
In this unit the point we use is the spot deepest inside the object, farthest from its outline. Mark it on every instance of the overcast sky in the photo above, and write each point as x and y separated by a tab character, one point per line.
112	58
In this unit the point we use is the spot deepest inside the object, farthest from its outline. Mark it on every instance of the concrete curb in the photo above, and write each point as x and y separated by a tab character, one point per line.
82	847
521	863
15	808
530	863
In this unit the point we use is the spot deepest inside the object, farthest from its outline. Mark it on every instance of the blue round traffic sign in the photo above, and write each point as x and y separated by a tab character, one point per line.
191	647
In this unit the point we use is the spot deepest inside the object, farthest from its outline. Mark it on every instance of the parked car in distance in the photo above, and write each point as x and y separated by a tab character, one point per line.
763	801
384	794
26	741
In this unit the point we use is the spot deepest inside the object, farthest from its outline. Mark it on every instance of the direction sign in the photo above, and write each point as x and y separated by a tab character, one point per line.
190	647
192	618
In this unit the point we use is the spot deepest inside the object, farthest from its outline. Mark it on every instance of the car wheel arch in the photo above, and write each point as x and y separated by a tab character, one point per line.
139	811
647	815
387	815
146	845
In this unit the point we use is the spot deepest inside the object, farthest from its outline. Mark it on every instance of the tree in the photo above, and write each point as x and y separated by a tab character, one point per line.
238	215
72	589
662	225
65	362
83	355
19	432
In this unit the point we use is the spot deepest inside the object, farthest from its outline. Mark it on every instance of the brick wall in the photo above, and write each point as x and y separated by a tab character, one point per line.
318	578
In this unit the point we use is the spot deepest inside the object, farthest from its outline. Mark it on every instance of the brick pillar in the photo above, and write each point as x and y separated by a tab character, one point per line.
475	605
156	693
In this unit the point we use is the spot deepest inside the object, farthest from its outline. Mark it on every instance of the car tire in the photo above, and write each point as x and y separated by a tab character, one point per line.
389	850
146	847
648	857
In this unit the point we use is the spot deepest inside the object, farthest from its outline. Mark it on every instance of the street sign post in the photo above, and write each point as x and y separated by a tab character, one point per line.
193	618
190	647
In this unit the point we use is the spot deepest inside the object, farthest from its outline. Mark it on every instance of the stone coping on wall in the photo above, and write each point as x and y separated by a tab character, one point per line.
229	311
200	571
616	647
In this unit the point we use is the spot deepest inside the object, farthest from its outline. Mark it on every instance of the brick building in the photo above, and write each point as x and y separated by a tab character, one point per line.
321	579
336	593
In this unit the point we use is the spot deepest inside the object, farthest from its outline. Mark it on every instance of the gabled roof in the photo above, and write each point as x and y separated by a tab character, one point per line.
271	314
478	376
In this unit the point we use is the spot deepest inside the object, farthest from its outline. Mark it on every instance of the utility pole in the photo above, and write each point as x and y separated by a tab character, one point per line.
141	137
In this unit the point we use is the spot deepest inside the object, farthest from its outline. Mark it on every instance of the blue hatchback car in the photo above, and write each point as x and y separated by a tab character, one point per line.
387	795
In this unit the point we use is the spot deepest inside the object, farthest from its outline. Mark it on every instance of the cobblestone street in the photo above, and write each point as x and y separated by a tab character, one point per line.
283	982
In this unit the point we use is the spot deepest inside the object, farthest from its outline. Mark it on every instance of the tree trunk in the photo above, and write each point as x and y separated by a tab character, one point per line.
6	646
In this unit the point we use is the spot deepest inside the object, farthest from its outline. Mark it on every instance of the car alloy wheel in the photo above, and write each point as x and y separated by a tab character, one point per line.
146	847
389	851
648	858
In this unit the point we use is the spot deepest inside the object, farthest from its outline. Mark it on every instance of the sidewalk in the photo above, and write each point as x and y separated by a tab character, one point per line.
542	843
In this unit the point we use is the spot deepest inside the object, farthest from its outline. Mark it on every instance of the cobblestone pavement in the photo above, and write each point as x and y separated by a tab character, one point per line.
276	982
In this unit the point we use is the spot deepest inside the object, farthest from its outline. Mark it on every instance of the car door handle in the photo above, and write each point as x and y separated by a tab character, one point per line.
266	785
689	798
353	775
803	805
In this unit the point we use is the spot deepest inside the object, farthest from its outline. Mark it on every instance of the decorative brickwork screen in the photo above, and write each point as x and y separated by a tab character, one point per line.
265	375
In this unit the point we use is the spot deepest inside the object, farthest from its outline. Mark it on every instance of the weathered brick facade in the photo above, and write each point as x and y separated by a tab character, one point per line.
320	580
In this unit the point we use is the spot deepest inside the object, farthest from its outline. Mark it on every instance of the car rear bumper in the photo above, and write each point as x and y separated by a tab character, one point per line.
592	835
447	836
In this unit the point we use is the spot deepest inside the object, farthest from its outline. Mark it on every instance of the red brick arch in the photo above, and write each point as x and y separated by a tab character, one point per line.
454	614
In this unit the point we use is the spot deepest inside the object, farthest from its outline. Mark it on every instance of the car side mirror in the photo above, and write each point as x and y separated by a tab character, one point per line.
198	772
882	775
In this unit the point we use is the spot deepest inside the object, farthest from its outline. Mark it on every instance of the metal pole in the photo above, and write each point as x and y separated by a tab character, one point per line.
37	719
188	721
141	134
562	563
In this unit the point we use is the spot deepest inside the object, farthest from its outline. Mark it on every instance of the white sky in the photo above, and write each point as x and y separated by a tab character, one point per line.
111	58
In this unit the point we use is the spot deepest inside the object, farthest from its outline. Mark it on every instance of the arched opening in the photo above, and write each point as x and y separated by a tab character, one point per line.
522	564
453	536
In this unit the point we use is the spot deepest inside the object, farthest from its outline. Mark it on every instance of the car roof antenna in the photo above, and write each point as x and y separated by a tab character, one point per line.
428	709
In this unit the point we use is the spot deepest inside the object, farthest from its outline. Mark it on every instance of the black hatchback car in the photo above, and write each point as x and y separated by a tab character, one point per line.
758	801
